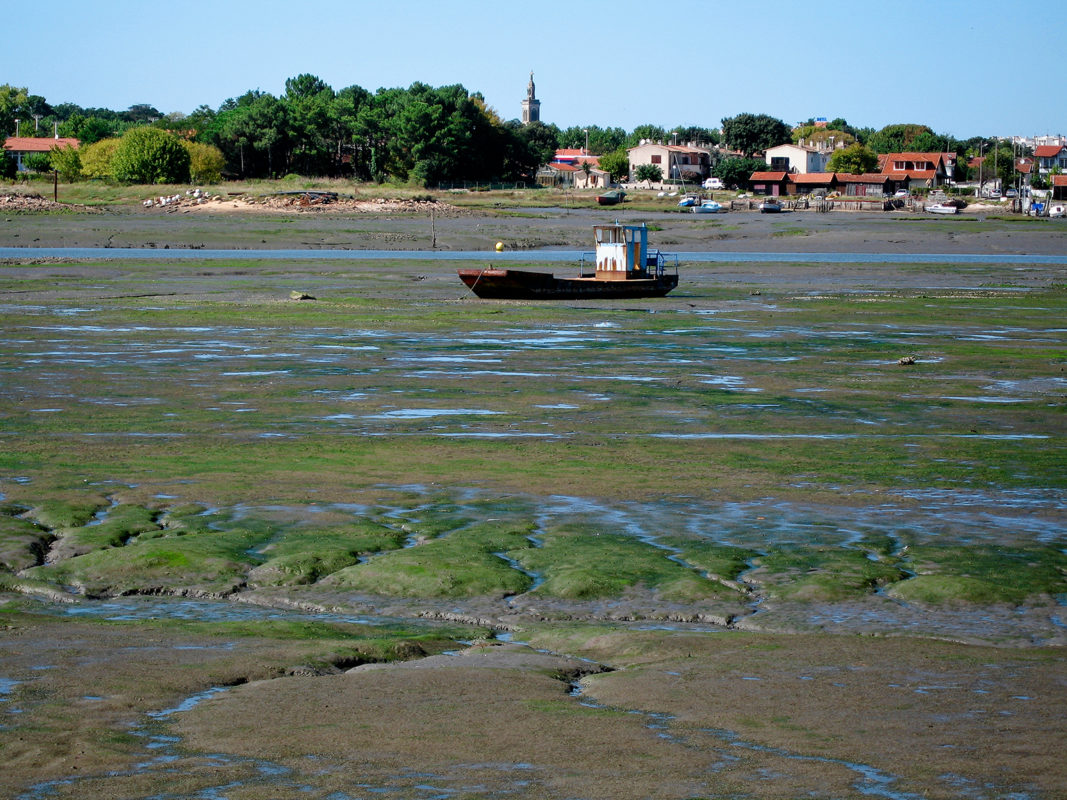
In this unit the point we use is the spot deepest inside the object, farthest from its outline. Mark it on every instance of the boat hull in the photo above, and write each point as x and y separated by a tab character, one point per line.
514	284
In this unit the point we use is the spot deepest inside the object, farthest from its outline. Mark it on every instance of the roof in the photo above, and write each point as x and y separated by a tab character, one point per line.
1048	150
813	177
886	163
674	148
37	144
903	174
1059	180
556	165
1024	165
805	148
866	177
768	176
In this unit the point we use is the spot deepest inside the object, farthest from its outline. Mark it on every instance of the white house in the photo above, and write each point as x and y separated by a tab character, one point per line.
796	160
677	162
19	147
1049	156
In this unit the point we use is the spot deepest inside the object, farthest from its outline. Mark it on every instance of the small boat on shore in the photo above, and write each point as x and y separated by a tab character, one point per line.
942	208
624	267
709	207
611	198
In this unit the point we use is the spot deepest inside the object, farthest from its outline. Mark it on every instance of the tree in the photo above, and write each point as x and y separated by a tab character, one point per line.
694	133
617	164
751	133
96	158
8	167
896	138
855	159
206	162
649	172
150	155
653	133
735	172
67	162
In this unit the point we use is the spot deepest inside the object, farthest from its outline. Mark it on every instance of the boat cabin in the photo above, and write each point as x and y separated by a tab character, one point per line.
621	251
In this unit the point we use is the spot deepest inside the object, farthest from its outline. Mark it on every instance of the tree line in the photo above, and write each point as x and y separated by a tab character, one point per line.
421	134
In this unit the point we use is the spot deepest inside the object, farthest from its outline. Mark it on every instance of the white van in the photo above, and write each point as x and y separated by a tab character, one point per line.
713	183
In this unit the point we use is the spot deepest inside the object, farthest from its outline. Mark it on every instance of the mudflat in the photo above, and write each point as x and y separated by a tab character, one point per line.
795	530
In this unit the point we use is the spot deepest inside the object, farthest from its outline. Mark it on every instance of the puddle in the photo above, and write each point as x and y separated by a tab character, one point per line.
426	413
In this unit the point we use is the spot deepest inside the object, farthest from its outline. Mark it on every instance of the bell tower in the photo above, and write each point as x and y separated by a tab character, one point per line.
531	106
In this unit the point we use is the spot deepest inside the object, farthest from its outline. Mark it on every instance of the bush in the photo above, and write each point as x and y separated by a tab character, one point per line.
96	158
8	167
38	162
150	155
67	162
205	162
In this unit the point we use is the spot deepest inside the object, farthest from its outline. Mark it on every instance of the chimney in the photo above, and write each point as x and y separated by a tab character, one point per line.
56	124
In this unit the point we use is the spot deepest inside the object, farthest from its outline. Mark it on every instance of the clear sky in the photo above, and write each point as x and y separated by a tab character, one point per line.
963	67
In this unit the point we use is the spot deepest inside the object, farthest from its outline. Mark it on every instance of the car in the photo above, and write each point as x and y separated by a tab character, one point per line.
714	183
900	193
1011	193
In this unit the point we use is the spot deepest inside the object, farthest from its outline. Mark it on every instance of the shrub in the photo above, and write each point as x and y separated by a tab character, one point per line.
67	162
96	158
150	155
8	167
205	162
38	162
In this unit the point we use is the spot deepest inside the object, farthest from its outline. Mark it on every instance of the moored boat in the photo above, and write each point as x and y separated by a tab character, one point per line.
624	267
942	208
708	207
611	198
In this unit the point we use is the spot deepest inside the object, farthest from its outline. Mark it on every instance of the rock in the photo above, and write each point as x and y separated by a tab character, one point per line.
295	295
906	361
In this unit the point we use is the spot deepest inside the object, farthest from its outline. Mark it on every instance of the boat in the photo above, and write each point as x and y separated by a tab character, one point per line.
1057	210
708	207
623	267
689	201
611	198
942	208
770	206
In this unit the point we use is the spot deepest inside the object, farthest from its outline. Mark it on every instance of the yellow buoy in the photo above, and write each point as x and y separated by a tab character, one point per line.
499	246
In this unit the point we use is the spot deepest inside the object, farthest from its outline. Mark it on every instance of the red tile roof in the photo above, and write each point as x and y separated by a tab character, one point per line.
1047	151
1024	165
903	174
866	177
813	177
771	177
1059	180
37	144
886	164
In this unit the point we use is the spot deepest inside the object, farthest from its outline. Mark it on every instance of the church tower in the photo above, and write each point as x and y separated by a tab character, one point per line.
531	106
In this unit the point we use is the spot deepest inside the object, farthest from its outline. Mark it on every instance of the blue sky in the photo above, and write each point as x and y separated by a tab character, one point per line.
964	67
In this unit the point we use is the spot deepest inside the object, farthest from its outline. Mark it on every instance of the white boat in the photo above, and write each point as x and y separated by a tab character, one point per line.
942	208
708	207
1057	210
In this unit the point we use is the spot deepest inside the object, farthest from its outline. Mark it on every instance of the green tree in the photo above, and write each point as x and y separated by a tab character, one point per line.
735	172
96	158
12	106
37	162
150	155
653	133
751	133
856	159
308	103
694	133
8	167
206	162
67	162
649	172
617	164
896	138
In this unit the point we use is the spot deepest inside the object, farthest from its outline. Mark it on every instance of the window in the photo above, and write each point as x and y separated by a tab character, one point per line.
657	159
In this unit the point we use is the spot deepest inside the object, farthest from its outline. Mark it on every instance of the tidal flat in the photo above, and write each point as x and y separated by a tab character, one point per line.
399	542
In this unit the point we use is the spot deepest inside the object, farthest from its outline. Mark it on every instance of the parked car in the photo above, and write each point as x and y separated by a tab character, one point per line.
900	193
714	183
1011	193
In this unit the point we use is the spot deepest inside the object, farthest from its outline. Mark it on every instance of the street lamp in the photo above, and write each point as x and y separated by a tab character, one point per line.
586	132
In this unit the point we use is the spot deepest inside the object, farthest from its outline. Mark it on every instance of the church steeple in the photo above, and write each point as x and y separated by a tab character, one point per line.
531	106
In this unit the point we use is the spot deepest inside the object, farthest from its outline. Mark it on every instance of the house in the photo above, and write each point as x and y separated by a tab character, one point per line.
1059	187
596	178
19	147
1049	156
808	183
556	175
927	170
865	185
796	159
677	162
772	183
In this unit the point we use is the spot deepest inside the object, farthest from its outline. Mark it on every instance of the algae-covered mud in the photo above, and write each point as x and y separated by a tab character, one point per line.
795	530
